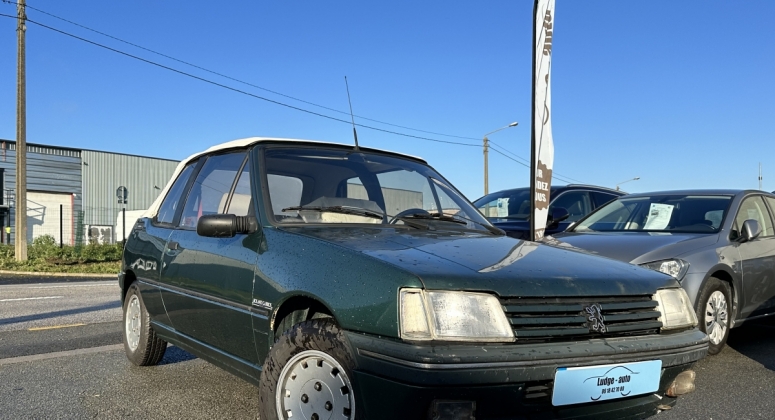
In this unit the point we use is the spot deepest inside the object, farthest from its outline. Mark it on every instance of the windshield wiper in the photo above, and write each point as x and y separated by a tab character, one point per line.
453	219
432	216
338	209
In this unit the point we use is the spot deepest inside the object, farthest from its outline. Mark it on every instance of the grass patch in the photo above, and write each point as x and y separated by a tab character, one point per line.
45	255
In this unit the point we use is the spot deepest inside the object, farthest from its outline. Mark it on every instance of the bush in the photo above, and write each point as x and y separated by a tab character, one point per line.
44	254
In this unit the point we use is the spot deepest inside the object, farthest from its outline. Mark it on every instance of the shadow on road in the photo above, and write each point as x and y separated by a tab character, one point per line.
755	340
175	354
104	306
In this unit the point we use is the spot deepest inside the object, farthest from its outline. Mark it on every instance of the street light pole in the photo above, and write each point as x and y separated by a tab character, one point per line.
624	182
486	146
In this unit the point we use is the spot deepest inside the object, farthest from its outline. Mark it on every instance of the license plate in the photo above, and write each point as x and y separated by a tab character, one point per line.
576	385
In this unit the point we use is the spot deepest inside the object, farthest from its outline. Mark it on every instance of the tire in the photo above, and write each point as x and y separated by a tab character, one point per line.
713	313
319	345
141	345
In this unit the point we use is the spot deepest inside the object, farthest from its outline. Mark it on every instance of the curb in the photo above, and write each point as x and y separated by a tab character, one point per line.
66	275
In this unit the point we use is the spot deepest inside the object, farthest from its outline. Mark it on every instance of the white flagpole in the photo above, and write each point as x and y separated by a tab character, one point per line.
542	153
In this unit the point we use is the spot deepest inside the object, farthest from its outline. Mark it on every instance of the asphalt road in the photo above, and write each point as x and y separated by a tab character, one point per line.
51	366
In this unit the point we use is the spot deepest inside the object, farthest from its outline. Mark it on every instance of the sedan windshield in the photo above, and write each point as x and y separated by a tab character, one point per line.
313	185
659	213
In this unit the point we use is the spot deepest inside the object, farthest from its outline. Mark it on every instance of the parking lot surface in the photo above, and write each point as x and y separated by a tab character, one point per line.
62	358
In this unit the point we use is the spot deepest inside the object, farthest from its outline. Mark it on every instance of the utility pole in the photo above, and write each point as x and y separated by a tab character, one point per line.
486	144
21	139
486	170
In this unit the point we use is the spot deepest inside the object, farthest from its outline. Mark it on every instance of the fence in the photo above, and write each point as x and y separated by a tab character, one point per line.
70	226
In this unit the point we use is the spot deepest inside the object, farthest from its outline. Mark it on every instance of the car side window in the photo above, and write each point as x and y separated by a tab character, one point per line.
601	198
167	209
210	192
577	203
754	208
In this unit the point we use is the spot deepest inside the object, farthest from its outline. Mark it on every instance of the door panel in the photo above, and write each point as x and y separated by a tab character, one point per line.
209	281
211	289
758	259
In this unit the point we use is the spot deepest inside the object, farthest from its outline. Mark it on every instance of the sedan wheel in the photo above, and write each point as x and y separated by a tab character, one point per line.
133	323
716	317
141	345
308	375
714	312
313	386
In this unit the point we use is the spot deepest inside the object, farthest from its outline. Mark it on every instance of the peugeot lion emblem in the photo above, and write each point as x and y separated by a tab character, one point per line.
595	318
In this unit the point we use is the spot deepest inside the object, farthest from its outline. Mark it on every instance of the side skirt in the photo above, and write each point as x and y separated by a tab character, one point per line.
234	365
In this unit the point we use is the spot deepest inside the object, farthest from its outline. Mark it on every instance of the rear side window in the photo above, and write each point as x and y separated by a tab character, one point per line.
210	192
170	203
601	198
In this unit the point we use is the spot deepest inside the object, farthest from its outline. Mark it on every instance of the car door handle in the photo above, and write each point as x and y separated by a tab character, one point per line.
173	246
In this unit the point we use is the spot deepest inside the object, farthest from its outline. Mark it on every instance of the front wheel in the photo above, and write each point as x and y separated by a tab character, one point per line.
307	375
141	345
713	313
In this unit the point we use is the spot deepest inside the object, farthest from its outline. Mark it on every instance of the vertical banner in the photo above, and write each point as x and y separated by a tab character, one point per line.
542	153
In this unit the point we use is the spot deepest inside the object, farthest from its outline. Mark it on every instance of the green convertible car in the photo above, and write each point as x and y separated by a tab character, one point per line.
353	283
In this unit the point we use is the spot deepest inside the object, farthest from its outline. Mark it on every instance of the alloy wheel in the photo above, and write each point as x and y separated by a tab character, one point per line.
716	317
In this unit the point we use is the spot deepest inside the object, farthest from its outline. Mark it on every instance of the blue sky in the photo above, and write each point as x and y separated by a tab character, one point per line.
677	93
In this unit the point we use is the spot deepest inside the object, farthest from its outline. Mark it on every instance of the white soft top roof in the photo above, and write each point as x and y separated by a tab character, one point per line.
236	144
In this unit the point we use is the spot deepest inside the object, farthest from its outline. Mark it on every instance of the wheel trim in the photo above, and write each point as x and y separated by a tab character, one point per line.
716	314
314	386
133	322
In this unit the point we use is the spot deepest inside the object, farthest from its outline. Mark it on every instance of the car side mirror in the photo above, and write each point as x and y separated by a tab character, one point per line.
750	230
557	215
225	225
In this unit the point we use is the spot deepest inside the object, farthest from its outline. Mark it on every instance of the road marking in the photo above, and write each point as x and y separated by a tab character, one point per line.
74	285
45	356
32	298
54	327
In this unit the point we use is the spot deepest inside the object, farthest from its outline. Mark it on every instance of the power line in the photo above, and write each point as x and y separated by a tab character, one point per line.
561	177
238	90
235	79
554	175
558	176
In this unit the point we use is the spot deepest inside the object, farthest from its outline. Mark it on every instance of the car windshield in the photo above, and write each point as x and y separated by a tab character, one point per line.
314	185
659	213
510	204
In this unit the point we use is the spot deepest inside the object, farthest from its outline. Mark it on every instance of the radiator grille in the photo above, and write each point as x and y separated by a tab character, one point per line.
566	319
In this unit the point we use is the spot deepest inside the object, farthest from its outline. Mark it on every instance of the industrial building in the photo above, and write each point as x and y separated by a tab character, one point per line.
71	193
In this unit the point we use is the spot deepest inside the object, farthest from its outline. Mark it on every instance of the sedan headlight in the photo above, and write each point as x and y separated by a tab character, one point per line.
677	311
452	316
674	267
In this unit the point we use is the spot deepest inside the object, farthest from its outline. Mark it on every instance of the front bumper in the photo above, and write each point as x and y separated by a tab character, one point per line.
508	381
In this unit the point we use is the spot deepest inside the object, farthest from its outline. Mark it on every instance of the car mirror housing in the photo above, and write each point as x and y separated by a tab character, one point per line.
751	229
557	215
225	225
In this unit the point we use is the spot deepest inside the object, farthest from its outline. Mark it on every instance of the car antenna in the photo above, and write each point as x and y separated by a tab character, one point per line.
355	133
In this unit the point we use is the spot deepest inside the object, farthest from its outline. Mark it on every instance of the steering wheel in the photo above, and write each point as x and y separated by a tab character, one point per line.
407	212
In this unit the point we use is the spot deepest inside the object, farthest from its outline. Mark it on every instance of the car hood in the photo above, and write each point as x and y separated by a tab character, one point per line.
637	247
506	266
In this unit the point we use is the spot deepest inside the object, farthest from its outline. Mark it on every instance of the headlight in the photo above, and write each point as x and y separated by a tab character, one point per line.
675	268
452	316
676	310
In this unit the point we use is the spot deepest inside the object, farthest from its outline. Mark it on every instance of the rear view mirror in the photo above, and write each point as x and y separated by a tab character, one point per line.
225	225
557	215
750	230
